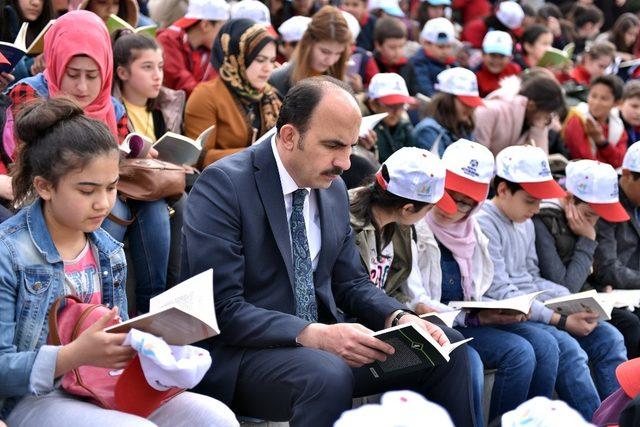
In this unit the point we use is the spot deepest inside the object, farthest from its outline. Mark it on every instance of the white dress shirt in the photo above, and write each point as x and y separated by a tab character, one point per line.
309	210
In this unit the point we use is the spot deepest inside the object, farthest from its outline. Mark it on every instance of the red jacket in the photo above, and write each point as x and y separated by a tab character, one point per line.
488	82
184	67
579	146
474	32
580	75
472	9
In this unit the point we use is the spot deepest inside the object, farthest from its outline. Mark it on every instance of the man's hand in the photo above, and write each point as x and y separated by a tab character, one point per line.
422	308
432	329
581	324
351	341
369	140
499	317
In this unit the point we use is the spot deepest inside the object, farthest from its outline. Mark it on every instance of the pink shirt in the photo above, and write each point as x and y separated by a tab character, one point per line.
82	278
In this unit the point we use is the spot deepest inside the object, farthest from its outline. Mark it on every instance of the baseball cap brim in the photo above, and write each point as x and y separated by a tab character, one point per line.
543	190
447	204
134	395
471	101
186	23
396	99
476	190
499	50
394	11
612	212
628	375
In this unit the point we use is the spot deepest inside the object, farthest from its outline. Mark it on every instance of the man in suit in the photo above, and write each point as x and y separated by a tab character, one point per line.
273	223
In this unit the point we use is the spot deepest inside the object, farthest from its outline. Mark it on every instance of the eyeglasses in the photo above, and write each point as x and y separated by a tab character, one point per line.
463	206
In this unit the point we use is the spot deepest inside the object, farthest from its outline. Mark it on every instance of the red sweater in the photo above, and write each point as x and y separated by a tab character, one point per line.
474	32
580	75
472	9
488	82
579	146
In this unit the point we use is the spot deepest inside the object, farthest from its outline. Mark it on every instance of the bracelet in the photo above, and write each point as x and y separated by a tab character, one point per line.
398	316
562	323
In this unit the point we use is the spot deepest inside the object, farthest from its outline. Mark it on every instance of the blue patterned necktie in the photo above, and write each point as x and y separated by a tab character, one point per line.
306	307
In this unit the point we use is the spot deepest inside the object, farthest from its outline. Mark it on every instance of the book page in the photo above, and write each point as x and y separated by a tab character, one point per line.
199	142
37	45
447	317
520	303
193	296
622	298
369	122
588	301
452	346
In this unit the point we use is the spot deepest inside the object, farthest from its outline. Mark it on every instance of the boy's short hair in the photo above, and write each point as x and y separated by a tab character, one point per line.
513	187
389	27
600	49
631	90
612	82
583	15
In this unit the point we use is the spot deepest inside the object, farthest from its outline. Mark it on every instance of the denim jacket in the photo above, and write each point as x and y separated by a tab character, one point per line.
31	278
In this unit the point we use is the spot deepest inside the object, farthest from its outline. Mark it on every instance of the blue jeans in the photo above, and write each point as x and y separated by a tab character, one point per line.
477	382
515	361
149	241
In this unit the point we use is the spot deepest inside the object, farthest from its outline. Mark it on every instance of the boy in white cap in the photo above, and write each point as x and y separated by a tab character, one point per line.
454	265
388	93
523	180
187	43
291	32
508	17
437	38
497	52
566	235
431	9
617	258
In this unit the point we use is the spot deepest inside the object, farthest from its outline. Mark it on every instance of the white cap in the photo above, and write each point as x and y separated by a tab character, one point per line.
470	168
461	82
396	409
632	158
528	166
211	10
438	31
510	14
437	2
597	184
498	42
293	28
352	23
391	7
389	89
251	9
542	412
416	174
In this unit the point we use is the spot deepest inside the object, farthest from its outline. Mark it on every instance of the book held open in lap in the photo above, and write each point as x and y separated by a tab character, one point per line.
181	315
589	301
520	304
415	349
12	53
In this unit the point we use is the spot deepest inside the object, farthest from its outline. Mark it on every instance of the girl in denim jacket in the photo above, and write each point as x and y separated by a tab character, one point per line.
67	169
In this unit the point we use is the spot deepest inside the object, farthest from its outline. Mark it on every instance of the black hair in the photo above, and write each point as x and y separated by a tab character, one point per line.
41	21
549	10
624	23
532	34
389	27
513	187
631	89
54	138
372	194
544	92
303	98
614	83
528	10
443	110
635	175
583	15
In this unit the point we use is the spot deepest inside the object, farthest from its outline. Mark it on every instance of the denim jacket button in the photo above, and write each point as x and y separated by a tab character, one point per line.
37	286
105	273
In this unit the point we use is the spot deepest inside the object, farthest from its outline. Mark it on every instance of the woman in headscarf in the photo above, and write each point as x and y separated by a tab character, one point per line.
240	102
79	60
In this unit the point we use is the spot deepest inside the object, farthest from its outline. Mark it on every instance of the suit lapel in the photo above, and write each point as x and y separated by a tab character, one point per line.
270	189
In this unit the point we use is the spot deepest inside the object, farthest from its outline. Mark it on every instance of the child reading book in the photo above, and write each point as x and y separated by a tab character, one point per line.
595	61
523	180
594	130
566	235
497	54
66	176
454	265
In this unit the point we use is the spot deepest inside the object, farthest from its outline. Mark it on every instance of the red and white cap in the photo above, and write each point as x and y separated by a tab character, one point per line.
293	28
462	83
251	9
470	168
416	174
389	89
597	184
631	159
198	10
510	14
528	166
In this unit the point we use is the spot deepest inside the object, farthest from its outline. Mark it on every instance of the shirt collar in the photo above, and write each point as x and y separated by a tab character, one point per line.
286	181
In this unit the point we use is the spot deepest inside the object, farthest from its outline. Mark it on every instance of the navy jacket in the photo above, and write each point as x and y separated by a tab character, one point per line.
235	223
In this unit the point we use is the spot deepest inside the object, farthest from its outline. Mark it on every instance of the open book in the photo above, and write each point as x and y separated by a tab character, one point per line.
553	56
172	147
12	53
446	317
181	315
589	301
115	23
521	304
370	122
622	298
414	348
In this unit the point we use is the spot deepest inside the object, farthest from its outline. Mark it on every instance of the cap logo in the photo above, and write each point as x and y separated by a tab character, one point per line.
582	187
614	193
472	169
544	169
424	190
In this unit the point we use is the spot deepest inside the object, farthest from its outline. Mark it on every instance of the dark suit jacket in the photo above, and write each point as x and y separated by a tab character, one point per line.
235	223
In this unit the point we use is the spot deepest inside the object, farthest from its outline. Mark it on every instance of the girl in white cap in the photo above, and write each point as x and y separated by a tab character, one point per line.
454	265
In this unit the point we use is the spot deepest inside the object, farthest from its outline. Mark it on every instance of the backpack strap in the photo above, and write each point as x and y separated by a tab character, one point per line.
54	335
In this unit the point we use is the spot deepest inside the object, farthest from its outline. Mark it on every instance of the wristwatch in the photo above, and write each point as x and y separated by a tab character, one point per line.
398	316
